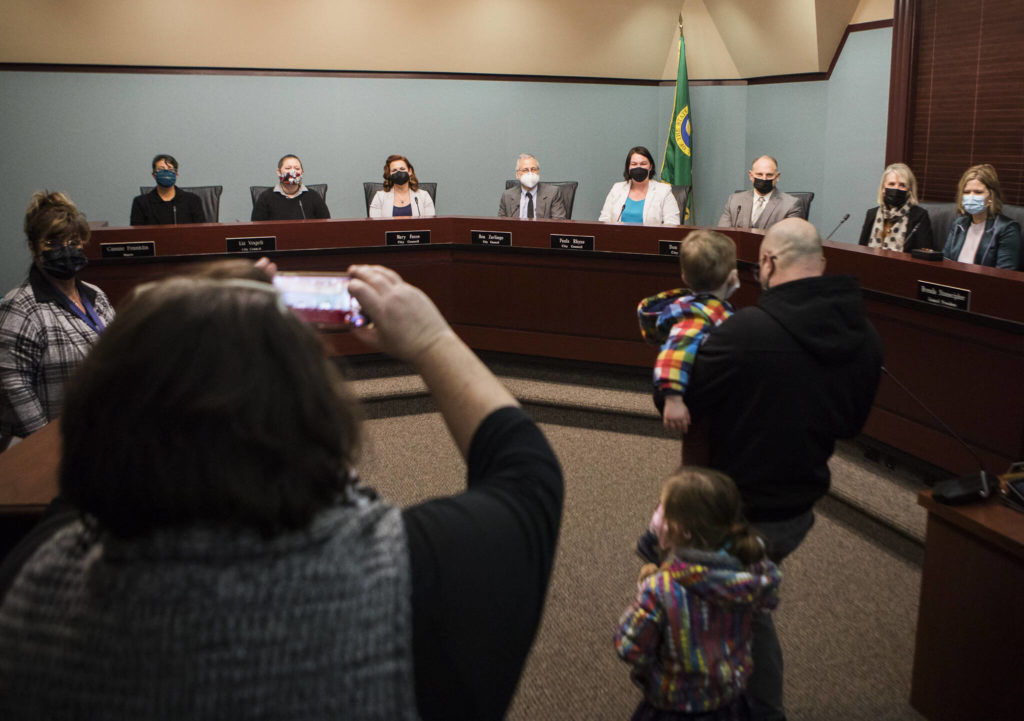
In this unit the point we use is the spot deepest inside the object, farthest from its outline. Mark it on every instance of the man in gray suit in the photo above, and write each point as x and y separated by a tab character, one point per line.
763	206
531	198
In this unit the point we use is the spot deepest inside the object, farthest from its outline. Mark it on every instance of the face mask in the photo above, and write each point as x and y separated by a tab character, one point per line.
894	197
399	177
290	177
63	263
763	185
973	204
165	178
639	174
529	180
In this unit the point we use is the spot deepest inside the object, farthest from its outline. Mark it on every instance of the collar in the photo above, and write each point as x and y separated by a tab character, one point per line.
279	189
532	191
44	292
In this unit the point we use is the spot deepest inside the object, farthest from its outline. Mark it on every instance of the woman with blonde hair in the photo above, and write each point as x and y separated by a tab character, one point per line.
898	222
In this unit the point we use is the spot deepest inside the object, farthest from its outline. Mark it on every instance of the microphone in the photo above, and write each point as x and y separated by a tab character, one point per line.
415	198
621	211
845	218
956	490
174	212
301	209
912	231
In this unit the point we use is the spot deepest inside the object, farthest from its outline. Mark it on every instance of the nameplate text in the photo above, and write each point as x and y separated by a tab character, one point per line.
407	237
572	242
944	295
490	237
668	247
144	249
254	244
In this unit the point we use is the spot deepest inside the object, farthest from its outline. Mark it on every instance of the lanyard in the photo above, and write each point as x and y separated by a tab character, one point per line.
90	316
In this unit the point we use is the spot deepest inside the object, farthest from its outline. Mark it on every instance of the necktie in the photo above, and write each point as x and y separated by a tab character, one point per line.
529	205
758	208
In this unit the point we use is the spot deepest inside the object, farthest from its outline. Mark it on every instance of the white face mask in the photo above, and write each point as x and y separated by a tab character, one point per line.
529	180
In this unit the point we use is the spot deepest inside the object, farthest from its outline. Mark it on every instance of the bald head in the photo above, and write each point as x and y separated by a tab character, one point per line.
791	250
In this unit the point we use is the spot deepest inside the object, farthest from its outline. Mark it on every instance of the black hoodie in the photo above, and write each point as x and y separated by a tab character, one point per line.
779	383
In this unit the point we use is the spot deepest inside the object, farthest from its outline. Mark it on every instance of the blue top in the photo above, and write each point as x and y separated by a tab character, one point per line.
402	210
633	212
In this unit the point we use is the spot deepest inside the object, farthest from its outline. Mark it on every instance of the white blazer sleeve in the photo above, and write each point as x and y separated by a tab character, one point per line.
669	208
377	205
612	205
426	205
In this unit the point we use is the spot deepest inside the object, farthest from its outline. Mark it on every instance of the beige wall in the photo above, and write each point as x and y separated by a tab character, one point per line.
726	39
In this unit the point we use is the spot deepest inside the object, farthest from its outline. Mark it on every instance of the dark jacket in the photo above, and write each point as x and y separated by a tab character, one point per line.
779	382
999	246
150	209
919	229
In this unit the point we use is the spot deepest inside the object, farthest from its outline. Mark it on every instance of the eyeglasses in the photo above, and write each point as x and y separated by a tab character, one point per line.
533	169
757	268
55	243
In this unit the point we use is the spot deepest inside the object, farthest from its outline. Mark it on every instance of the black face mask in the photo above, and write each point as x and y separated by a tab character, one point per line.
639	174
894	197
400	177
763	185
63	263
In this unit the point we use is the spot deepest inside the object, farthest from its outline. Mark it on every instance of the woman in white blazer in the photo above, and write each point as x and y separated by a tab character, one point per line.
401	195
639	198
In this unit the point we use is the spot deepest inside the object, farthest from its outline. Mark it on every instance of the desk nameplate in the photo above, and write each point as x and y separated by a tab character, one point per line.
946	296
142	249
407	237
572	242
669	247
490	237
252	244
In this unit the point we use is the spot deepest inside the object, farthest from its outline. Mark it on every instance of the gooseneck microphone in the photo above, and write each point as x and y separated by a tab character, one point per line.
621	211
301	209
417	205
956	490
829	236
174	212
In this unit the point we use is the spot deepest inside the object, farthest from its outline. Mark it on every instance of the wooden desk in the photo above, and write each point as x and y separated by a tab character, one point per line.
969	632
533	300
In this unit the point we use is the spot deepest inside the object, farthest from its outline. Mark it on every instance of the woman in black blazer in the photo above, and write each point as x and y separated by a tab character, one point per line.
898	223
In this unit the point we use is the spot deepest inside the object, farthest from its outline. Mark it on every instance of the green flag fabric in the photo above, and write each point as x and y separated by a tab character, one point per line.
677	163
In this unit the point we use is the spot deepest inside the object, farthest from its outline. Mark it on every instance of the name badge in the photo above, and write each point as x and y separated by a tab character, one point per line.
144	249
407	237
572	242
490	237
253	244
944	295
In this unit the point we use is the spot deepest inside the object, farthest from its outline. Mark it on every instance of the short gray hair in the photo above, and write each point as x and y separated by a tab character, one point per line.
524	156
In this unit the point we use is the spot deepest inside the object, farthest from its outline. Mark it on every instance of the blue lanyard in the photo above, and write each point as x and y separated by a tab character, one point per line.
90	316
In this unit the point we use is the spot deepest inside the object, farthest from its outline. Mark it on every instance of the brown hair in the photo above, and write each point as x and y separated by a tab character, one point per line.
639	150
237	418
988	177
707	504
706	257
414	183
54	216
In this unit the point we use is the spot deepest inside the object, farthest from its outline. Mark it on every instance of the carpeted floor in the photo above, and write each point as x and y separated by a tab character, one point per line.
849	598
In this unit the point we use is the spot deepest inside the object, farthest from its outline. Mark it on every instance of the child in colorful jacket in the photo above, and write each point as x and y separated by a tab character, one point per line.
687	636
679	320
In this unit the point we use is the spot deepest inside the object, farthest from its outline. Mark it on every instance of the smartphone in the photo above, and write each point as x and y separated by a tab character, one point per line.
320	298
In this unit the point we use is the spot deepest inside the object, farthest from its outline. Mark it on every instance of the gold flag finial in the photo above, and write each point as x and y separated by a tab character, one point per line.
680	23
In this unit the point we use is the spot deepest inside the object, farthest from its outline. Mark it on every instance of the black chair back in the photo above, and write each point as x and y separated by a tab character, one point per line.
209	198
565	188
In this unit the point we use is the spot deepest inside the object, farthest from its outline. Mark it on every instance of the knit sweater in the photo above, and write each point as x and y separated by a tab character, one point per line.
687	635
214	624
679	321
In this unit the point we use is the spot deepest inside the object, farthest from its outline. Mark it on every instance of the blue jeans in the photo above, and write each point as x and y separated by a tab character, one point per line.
764	689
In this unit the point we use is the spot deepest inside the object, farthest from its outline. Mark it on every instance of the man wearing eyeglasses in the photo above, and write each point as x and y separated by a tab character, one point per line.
531	198
777	384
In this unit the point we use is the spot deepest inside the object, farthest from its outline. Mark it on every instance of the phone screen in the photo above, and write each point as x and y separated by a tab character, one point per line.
320	298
